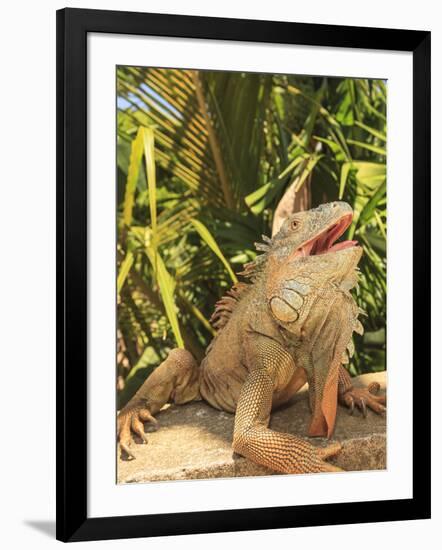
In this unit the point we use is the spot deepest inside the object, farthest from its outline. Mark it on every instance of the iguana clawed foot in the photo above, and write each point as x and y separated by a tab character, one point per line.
131	419
175	380
363	398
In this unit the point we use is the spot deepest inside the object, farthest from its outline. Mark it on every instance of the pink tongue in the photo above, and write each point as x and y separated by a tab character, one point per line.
342	245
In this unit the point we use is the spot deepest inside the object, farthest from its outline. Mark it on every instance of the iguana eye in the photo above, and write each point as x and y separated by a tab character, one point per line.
294	224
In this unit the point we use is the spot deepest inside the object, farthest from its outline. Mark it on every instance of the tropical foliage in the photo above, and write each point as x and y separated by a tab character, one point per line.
204	159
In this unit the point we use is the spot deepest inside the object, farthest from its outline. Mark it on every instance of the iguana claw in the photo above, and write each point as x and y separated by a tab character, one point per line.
363	408
131	419
351	406
363	399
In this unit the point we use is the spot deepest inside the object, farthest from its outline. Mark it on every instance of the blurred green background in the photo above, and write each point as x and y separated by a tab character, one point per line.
204	159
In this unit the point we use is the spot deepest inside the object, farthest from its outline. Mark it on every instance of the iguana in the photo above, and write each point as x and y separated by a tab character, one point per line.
292	321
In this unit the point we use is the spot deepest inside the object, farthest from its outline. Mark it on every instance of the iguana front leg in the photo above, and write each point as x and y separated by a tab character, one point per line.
362	398
253	439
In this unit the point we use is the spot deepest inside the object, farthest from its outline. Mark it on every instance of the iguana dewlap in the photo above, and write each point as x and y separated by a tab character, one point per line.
291	322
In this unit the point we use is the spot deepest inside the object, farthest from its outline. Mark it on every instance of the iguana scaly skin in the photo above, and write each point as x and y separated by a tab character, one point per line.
291	322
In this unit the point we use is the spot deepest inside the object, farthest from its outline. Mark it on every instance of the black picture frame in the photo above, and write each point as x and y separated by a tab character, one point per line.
73	25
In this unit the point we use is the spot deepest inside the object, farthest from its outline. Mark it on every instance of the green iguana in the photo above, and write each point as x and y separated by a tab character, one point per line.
291	322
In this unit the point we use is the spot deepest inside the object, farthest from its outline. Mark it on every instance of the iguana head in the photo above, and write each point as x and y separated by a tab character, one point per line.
305	269
314	232
305	248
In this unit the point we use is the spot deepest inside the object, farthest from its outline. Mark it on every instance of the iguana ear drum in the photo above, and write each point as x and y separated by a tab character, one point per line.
283	311
287	305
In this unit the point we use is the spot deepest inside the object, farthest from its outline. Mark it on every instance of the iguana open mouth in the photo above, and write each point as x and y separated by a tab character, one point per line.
324	242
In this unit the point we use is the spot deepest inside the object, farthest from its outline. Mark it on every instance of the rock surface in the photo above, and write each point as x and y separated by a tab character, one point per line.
194	441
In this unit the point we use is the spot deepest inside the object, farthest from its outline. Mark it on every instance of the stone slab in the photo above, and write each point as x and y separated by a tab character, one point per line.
194	441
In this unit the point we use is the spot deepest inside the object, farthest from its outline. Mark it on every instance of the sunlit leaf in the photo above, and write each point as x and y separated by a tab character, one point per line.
311	163
368	210
368	146
166	285
373	131
125	267
210	241
197	313
132	176
345	169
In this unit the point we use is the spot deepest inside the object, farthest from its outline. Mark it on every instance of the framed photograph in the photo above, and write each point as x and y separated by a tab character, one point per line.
243	228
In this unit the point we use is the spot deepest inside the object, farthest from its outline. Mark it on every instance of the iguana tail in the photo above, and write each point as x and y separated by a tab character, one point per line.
175	380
